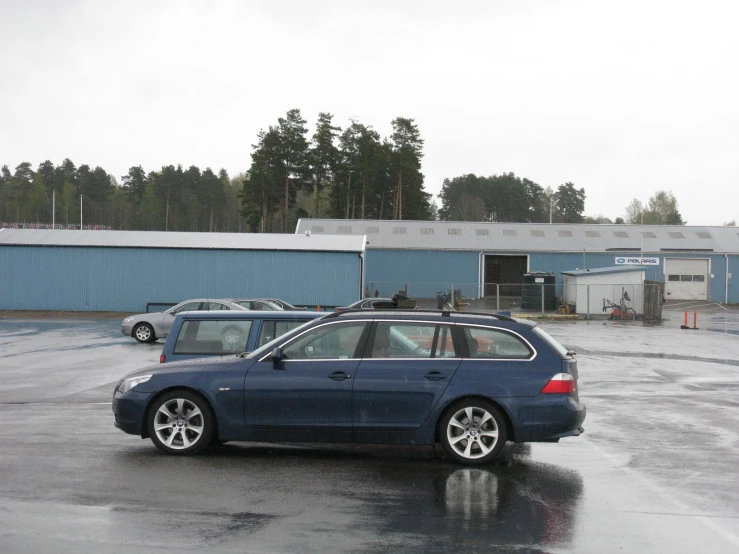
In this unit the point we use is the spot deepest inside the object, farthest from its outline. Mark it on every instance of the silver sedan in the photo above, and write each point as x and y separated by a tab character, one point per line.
152	326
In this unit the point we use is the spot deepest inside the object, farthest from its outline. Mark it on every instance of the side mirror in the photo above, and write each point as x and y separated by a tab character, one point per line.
276	354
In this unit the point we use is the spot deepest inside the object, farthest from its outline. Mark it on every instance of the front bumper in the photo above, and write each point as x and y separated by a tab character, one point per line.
127	329
129	409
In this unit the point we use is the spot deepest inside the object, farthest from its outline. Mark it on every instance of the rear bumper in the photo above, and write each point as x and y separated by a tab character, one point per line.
552	417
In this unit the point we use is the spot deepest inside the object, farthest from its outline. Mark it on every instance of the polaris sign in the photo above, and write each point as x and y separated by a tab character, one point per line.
637	261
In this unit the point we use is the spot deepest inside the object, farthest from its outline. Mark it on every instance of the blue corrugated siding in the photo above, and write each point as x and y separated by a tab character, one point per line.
425	271
125	279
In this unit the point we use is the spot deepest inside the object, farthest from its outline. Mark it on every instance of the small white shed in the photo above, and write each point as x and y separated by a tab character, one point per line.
588	289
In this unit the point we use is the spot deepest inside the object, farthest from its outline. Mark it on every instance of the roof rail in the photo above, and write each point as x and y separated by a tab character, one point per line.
443	313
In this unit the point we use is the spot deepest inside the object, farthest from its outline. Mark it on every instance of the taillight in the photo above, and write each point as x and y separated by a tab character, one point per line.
562	383
162	359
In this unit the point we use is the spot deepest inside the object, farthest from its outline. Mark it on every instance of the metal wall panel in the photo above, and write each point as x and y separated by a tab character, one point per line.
125	279
425	271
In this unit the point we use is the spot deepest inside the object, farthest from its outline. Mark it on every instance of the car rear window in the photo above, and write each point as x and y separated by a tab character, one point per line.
213	337
551	341
485	342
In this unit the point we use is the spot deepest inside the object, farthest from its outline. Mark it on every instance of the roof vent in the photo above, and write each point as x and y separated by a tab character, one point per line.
510	232
372	230
592	234
454	231
703	235
621	234
676	234
537	233
482	232
427	230
564	233
345	229
649	235
399	230
317	229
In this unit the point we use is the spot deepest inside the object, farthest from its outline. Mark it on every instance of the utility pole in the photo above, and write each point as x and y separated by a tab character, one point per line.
53	209
80	212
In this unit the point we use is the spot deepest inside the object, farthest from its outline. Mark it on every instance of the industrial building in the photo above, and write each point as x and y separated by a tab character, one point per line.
695	263
124	271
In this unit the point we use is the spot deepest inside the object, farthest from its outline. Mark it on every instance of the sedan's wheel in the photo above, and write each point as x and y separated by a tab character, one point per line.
144	333
180	422
473	432
233	339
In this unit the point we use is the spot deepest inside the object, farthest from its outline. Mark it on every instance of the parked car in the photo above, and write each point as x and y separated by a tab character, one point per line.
285	305
257	304
152	326
398	301
200	334
469	381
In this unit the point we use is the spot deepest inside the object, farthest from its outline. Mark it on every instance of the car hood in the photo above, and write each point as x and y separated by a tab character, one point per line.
187	366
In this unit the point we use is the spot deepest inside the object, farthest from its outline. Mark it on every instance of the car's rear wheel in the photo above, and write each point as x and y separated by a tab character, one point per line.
180	422
144	332
473	431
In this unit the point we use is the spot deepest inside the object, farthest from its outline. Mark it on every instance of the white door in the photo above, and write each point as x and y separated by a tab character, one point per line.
686	279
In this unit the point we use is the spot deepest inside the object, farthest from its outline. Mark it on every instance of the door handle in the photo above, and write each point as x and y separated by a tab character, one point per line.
435	376
340	376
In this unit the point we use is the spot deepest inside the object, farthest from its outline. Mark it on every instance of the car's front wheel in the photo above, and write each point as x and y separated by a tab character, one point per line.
144	332
180	422
473	431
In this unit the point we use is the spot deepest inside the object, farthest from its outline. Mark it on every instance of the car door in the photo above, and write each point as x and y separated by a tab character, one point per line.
306	395
406	369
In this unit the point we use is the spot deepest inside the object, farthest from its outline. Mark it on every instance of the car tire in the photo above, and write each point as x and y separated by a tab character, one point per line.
473	431
144	332
180	423
233	339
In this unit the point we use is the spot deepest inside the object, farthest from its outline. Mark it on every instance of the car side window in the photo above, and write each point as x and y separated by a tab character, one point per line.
495	343
276	328
263	306
190	307
217	306
395	339
212	337
338	341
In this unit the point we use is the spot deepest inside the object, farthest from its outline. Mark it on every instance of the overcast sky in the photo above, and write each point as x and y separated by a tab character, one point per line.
622	98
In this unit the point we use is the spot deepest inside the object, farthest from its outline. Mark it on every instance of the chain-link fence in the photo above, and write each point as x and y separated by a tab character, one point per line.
612	301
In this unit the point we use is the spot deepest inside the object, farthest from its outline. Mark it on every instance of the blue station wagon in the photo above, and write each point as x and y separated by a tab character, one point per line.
469	381
219	333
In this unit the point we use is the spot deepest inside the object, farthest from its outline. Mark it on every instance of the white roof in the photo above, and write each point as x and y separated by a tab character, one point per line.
528	237
162	239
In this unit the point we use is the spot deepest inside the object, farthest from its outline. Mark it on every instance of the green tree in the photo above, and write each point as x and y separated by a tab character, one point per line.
324	156
38	201
134	184
293	160
570	203
261	187
407	153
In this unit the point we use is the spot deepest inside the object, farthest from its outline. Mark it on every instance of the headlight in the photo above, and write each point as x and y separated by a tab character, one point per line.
127	384
128	319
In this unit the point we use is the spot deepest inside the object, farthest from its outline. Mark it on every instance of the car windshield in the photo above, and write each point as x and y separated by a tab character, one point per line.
262	350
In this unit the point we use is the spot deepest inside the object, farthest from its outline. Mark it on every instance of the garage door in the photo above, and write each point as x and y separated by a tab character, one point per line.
686	279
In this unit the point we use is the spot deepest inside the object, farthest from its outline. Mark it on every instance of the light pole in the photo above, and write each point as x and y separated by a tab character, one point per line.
552	202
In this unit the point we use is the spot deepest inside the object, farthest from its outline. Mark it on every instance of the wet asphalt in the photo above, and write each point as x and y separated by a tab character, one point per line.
656	471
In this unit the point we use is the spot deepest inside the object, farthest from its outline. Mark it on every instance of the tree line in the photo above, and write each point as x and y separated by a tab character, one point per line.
349	173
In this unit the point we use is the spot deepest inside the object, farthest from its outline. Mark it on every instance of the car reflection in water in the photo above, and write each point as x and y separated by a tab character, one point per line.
518	503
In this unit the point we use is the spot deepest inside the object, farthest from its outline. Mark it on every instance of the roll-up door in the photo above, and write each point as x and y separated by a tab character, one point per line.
686	279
